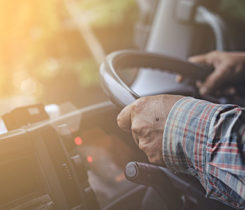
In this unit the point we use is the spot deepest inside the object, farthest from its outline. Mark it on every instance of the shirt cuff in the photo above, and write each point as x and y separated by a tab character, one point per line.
186	134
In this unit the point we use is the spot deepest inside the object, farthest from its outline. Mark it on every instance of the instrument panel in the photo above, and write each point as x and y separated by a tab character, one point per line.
74	162
105	157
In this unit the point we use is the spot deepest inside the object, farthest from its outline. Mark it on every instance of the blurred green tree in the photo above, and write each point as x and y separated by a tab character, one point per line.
39	42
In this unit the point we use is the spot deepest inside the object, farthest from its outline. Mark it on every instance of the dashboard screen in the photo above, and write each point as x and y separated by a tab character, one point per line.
106	156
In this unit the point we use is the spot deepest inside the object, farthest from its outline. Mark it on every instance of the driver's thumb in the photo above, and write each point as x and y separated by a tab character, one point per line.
124	119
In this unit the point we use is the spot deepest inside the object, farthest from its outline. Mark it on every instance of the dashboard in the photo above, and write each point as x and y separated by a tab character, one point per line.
106	156
76	161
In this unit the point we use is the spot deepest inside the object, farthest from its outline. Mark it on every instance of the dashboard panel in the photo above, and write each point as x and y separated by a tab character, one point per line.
73	162
105	157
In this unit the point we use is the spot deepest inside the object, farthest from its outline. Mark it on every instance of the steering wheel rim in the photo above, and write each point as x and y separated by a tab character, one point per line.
120	93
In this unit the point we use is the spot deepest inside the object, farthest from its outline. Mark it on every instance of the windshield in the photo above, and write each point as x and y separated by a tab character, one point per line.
51	49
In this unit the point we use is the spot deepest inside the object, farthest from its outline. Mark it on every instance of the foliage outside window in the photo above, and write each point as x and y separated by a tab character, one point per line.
39	42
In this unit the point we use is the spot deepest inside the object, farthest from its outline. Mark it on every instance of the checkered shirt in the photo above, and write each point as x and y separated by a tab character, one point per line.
208	141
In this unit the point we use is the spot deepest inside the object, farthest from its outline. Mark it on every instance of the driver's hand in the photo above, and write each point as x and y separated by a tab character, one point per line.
229	68
146	118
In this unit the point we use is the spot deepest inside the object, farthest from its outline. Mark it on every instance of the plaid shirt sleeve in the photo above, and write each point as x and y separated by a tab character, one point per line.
208	141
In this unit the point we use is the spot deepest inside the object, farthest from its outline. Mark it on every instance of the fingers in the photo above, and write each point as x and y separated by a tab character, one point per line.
214	81
211	83
200	59
179	78
124	119
217	78
135	137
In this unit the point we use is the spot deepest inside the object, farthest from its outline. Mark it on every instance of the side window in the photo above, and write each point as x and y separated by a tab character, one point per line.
233	9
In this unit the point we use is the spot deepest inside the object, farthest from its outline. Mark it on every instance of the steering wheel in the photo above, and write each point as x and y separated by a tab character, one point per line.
118	91
121	94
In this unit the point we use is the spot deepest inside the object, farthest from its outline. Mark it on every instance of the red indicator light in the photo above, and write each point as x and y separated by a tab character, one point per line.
78	140
90	159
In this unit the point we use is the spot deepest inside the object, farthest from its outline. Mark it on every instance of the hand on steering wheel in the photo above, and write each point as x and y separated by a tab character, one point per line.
146	118
229	69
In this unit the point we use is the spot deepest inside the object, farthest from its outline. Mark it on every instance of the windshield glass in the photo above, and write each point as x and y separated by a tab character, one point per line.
51	49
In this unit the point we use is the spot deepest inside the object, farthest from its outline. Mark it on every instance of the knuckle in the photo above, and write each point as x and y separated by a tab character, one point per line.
119	122
214	53
227	63
139	104
142	146
135	129
134	107
141	130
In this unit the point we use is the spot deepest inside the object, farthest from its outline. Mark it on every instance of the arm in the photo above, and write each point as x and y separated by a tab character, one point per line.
199	138
207	140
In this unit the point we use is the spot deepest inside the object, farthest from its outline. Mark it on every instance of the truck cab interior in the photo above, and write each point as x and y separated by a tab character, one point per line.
61	157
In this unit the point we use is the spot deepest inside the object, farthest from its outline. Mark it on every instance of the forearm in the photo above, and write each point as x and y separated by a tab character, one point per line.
203	139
